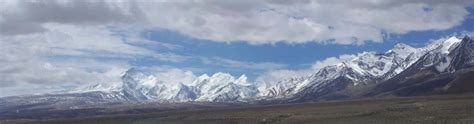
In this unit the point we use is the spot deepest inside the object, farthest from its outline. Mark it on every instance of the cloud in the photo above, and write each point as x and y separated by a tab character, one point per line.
341	22
29	16
85	41
37	76
252	21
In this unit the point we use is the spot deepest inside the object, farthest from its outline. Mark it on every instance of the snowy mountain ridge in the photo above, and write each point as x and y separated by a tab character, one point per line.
139	87
365	68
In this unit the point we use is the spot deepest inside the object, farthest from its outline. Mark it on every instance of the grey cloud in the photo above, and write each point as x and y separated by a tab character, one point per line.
14	26
388	4
252	21
30	15
75	12
261	22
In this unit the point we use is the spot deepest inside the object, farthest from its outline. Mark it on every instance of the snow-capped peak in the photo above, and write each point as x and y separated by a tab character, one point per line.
402	46
437	54
448	44
365	67
134	77
443	45
139	86
222	76
200	79
204	76
242	80
402	50
132	72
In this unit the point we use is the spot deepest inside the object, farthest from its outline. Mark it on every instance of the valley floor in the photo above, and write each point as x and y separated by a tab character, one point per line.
432	109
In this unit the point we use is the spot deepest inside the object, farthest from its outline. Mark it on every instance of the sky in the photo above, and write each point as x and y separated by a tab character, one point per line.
50	46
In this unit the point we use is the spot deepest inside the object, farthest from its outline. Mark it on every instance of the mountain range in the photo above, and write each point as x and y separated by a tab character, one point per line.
442	67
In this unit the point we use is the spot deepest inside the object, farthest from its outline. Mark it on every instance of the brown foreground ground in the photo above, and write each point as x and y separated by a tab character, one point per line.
419	110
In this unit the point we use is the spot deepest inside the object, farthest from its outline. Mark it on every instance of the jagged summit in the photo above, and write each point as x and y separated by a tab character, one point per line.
140	87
